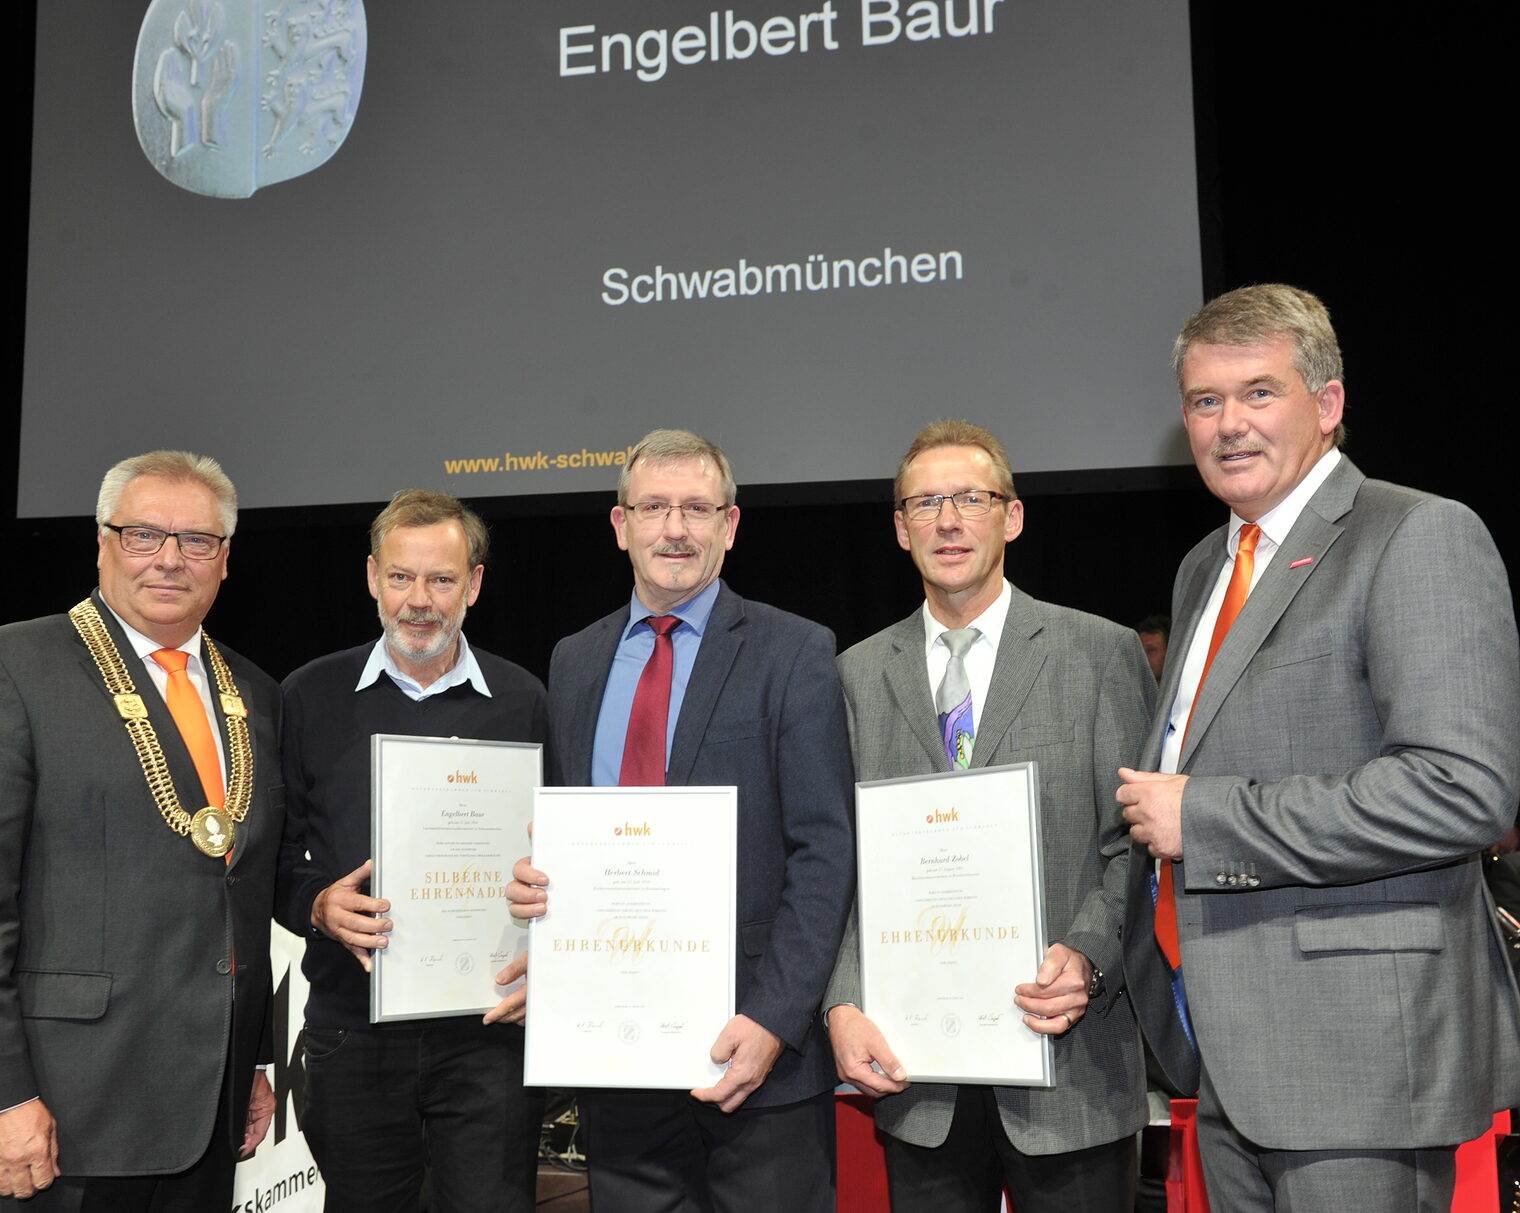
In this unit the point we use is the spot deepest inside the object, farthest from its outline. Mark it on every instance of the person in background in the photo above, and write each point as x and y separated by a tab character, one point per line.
1155	631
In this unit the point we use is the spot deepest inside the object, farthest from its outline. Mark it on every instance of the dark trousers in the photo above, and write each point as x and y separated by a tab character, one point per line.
968	1172
664	1152
385	1106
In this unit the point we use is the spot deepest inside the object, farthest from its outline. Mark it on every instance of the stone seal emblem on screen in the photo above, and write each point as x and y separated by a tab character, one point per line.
229	96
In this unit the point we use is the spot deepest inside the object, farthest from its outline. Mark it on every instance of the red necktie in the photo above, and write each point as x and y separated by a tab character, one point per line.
1234	598
644	746
190	716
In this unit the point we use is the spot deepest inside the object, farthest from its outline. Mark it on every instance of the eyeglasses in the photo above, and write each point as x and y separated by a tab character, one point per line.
695	512
968	503
147	540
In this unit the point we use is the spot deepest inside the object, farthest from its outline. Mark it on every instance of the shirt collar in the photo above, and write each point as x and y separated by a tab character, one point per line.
145	647
465	669
989	623
694	612
1278	521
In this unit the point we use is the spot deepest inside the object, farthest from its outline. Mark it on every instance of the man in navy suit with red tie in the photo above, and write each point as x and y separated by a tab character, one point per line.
753	700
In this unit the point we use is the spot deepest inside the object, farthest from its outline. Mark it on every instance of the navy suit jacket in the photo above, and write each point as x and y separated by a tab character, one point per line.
763	711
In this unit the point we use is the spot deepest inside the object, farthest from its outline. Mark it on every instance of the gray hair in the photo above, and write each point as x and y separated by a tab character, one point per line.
179	466
664	447
1252	315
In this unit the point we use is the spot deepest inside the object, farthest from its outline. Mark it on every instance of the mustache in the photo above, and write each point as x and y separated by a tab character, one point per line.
676	548
1238	446
421	617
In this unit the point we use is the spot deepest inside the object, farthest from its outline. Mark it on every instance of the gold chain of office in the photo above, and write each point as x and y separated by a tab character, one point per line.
211	830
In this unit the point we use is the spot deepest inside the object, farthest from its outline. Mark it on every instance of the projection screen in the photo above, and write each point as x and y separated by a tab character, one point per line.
556	224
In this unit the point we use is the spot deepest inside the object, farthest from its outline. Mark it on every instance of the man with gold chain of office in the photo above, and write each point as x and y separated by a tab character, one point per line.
139	820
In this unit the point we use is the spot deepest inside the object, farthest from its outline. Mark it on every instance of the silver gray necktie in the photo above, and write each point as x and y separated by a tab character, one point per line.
952	701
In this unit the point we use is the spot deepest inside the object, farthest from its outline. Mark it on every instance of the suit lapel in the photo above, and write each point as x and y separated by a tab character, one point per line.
1194	596
907	677
1020	654
1299	558
715	658
587	682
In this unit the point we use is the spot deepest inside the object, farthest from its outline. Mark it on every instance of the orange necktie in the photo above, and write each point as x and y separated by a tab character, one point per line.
1234	598
190	716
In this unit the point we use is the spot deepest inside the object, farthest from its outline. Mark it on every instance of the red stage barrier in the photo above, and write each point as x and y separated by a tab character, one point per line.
863	1171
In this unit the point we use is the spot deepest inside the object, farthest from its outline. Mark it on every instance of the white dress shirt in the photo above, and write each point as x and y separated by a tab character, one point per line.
200	678
980	657
1275	525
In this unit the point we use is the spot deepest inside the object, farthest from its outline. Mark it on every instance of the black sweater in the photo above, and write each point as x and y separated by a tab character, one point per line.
326	748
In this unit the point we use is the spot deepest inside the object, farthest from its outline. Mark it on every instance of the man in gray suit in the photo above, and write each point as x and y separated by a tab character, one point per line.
1317	793
134	944
1072	693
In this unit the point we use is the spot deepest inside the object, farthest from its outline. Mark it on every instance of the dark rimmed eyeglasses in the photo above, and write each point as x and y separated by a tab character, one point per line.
148	540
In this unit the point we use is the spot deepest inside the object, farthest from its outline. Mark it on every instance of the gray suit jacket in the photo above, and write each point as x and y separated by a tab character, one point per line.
1353	747
1071	692
762	711
116	934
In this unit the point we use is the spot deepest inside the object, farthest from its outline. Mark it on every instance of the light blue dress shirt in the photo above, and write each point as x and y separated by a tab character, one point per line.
633	653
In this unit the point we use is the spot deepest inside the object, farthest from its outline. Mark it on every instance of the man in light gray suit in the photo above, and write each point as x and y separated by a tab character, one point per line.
1068	691
1318	792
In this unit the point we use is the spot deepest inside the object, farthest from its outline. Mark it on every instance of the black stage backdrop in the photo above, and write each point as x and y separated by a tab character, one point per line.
1345	151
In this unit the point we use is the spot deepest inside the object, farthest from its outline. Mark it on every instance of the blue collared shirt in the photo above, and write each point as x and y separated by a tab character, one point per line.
465	669
633	653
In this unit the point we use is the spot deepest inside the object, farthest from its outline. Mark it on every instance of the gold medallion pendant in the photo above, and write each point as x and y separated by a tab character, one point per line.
212	832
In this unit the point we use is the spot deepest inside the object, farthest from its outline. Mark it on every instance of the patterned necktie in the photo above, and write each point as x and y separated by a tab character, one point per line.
648	721
957	725
190	717
1234	598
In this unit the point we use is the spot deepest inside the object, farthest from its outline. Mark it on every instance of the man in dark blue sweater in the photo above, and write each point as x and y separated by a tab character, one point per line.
386	1102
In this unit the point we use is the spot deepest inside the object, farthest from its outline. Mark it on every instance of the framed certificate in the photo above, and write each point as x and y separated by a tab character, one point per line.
631	970
449	818
951	919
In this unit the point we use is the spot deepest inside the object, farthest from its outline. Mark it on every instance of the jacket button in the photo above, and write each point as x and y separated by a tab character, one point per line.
224	966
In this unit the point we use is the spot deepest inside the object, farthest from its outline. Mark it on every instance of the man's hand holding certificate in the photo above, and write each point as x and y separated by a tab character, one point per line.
446	816
633	957
951	912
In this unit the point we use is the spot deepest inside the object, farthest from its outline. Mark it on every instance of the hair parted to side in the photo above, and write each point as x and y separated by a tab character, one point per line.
1252	315
179	466
950	431
664	447
423	507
